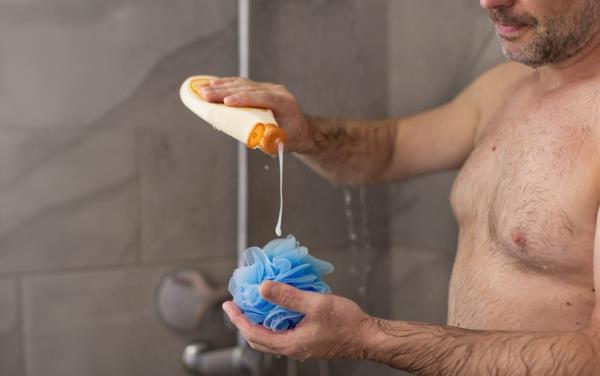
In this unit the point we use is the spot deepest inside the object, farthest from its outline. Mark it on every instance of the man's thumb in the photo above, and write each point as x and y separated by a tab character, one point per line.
286	296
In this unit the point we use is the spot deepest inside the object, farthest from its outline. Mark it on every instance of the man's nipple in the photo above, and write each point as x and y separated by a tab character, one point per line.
518	237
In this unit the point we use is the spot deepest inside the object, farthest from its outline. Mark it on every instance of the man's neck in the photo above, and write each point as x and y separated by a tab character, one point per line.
583	65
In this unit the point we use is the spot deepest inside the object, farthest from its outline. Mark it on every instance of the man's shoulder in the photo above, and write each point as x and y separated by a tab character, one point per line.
488	90
503	76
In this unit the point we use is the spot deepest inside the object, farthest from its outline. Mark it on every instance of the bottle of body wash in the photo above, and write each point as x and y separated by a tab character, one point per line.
255	127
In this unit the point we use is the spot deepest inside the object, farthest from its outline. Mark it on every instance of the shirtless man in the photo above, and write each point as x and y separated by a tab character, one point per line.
526	136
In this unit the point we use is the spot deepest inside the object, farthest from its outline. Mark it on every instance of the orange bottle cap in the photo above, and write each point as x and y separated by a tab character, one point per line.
272	137
256	136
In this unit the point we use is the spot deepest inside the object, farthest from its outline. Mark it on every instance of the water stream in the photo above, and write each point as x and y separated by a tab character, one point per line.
359	241
280	151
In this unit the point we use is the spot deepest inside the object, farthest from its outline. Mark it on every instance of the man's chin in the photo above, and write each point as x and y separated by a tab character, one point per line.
512	47
517	55
515	47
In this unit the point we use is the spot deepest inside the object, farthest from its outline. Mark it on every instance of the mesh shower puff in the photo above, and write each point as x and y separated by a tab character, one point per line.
281	260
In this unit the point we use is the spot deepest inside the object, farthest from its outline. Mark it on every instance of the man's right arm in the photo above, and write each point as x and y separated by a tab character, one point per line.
363	151
443	138
356	152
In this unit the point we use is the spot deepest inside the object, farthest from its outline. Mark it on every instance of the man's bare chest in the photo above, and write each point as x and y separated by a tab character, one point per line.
529	188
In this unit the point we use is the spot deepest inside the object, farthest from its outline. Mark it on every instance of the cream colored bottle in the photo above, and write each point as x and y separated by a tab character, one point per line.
255	127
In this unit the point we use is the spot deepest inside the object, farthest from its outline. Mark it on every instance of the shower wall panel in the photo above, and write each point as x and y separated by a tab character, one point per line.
332	55
107	182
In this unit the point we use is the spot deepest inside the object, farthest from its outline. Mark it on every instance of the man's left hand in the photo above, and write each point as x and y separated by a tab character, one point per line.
333	327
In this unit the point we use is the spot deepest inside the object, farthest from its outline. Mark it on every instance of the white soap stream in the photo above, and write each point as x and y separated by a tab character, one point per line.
280	150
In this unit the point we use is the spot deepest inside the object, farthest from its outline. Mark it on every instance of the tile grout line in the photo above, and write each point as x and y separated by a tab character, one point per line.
114	267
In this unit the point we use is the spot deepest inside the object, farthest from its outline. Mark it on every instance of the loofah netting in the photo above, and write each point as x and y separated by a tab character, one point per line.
281	260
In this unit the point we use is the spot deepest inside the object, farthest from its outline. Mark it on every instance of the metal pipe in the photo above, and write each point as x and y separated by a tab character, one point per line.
244	71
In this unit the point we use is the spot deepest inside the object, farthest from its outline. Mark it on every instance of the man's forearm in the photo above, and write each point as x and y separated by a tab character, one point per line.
442	350
349	151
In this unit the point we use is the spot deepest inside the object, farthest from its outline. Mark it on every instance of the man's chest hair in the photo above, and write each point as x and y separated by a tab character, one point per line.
531	186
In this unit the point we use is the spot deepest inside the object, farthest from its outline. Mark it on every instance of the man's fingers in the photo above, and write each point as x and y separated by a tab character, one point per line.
236	316
234	84
287	296
261	348
260	99
241	92
225	80
218	94
254	333
247	83
261	338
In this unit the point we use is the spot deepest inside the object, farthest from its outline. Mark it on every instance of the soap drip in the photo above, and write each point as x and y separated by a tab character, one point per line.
280	151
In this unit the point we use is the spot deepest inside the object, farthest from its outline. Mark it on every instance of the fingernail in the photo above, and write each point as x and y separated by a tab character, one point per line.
226	309
230	99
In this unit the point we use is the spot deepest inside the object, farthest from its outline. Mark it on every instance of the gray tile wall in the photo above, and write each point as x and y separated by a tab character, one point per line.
337	67
58	187
110	183
102	323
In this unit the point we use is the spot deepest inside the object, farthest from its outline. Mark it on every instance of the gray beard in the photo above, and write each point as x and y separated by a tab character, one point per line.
560	40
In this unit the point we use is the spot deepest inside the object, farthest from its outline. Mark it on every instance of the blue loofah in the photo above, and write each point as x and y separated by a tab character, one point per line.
281	260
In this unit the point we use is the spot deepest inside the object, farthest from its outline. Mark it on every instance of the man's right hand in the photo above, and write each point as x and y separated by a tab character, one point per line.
242	92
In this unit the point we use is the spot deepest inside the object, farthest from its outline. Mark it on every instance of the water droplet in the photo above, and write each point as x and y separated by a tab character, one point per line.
358	235
347	196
